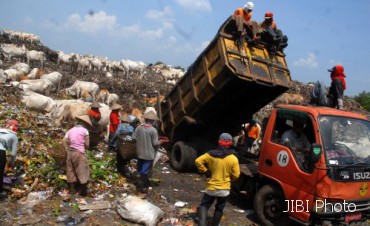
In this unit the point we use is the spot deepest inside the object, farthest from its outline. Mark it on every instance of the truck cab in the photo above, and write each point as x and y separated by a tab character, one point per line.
329	184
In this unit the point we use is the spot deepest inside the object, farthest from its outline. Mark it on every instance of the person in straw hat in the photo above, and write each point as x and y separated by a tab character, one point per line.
94	114
146	137
75	143
113	125
124	129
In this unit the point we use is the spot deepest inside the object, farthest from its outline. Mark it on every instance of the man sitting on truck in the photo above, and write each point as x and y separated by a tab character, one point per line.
271	34
296	139
246	27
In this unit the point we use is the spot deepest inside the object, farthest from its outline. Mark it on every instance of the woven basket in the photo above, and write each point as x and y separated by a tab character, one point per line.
127	149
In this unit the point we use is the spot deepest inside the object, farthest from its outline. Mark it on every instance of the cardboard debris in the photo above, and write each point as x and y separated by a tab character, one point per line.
96	205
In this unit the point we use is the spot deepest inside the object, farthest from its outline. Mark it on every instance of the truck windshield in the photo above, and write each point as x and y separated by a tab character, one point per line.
346	141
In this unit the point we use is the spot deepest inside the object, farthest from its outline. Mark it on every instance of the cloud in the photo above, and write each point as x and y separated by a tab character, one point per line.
165	16
310	61
92	22
196	5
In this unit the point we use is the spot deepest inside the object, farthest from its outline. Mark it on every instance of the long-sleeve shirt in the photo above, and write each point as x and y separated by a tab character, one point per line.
240	12
9	142
124	129
114	121
223	169
147	142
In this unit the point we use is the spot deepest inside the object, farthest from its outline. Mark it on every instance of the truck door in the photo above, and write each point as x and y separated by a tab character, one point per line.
282	162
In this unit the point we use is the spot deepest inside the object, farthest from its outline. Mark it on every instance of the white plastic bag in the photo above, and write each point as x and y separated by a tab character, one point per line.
140	211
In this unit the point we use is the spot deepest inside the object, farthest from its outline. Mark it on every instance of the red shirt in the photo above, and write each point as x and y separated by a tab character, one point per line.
95	113
114	121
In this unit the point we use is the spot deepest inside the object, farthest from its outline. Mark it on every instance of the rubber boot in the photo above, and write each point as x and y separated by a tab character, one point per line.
216	218
72	188
202	216
340	104
83	190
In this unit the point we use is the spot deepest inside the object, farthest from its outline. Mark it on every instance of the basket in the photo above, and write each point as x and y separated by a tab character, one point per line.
126	148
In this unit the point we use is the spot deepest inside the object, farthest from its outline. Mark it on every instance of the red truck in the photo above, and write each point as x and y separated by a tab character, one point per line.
229	82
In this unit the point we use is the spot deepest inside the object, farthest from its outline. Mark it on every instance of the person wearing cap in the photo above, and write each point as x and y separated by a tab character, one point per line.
337	87
271	34
244	24
8	142
75	142
221	167
147	143
123	130
113	125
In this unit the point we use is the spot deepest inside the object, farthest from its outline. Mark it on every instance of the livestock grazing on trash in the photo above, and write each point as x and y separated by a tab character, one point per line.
69	113
55	77
105	113
42	86
34	55
21	67
152	101
103	96
83	63
290	98
68	59
98	64
12	74
85	96
133	66
38	102
3	77
41	71
10	51
112	99
78	86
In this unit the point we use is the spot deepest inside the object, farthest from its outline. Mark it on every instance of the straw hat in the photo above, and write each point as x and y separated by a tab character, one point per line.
151	116
116	106
84	118
125	118
95	105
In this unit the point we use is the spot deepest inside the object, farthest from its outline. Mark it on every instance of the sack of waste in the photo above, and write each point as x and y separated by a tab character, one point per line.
138	210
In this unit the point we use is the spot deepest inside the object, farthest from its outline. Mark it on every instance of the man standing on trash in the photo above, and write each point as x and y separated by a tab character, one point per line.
75	143
220	167
337	87
124	131
8	142
113	125
147	143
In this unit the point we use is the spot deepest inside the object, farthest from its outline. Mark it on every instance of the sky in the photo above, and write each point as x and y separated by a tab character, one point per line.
321	33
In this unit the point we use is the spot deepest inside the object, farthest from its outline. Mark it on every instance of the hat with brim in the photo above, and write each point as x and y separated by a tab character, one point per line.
151	116
116	107
95	105
331	70
125	118
84	118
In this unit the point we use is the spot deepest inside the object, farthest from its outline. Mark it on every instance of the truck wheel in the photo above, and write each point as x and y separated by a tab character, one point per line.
182	157
269	205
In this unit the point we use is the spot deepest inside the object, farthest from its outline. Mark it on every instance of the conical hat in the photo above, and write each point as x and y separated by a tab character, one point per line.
116	106
95	105
151	116
84	118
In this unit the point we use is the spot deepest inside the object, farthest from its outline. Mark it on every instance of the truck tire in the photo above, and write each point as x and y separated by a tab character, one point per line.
269	204
182	157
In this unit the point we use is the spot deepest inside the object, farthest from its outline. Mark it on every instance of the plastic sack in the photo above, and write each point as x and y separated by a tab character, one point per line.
140	211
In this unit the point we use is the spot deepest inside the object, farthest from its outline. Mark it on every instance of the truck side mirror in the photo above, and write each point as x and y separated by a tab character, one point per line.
315	153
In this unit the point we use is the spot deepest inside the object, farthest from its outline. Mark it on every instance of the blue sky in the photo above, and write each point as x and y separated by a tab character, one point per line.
321	33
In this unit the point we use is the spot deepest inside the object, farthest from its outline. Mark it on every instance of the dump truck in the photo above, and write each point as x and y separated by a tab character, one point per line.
227	84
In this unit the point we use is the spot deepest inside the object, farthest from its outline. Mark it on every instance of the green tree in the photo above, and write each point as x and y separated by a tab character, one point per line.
364	99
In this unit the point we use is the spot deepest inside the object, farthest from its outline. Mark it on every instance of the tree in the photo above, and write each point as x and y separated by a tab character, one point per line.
364	99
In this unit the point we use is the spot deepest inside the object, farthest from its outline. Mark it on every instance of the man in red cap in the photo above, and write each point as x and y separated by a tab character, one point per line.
220	167
271	34
337	87
8	142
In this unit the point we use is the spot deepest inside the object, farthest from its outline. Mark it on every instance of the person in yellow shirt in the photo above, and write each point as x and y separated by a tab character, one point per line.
221	167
